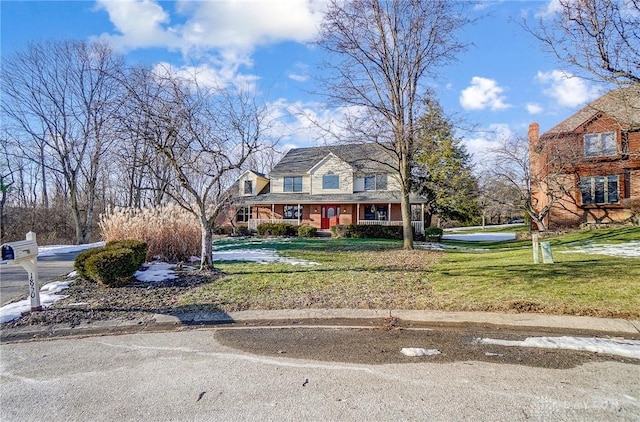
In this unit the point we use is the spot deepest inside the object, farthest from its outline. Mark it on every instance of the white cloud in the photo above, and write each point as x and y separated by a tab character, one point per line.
482	94
534	108
483	140
300	73
566	89
140	24
551	8
222	25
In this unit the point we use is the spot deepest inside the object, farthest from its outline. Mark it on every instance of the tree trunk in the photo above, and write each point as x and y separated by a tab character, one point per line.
206	257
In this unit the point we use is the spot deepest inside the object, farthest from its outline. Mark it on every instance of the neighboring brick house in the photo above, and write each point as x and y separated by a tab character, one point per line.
323	187
594	156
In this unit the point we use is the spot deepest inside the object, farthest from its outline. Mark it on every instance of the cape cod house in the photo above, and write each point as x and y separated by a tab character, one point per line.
325	186
599	150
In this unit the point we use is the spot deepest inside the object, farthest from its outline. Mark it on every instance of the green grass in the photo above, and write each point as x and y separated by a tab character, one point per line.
361	273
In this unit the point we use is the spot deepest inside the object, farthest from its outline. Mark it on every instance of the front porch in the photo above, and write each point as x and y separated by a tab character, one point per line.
325	216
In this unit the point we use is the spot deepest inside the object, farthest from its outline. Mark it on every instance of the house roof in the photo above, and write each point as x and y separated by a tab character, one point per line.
621	104
369	157
339	198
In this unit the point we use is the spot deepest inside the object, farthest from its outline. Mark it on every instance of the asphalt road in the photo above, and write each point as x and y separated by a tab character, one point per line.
193	375
13	278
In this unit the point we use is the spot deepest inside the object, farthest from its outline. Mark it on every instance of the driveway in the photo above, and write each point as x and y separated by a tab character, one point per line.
13	278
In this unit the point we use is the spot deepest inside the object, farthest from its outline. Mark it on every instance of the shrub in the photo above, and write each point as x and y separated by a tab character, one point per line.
79	264
170	232
433	234
367	231
343	230
112	267
633	204
138	247
277	229
307	231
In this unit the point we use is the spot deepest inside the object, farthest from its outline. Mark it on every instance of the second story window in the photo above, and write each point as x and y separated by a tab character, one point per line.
600	144
248	187
375	182
330	181
293	184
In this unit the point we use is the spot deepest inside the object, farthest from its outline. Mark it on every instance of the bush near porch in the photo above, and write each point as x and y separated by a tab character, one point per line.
359	231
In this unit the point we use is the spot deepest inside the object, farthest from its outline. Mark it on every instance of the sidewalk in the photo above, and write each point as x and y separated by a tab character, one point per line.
619	327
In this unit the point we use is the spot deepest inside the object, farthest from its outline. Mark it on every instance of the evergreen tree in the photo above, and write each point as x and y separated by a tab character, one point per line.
443	171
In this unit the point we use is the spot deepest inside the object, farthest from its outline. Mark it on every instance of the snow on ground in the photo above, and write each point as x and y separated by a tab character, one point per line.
480	237
156	271
619	347
629	249
48	295
261	256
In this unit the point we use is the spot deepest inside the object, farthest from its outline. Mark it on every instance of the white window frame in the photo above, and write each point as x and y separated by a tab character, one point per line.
595	144
592	183
333	178
293	184
379	181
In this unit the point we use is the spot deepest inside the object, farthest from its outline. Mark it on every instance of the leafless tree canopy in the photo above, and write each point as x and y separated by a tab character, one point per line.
204	136
599	37
59	103
381	55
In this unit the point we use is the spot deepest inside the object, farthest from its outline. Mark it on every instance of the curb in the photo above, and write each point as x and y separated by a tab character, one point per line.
170	322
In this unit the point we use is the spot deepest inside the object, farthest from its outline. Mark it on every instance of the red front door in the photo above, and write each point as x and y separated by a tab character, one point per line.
330	216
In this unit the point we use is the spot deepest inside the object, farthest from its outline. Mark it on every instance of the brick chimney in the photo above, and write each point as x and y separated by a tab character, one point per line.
534	132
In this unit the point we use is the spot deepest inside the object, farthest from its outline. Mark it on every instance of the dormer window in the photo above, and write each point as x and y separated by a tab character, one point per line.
600	144
248	187
330	181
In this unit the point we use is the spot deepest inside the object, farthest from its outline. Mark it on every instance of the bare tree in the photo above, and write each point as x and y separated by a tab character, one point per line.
535	177
382	51
598	37
60	97
205	135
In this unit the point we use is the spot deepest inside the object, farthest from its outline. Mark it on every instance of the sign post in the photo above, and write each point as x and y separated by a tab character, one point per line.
25	253
536	249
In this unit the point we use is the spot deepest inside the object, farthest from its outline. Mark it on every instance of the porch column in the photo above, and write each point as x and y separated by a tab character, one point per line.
273	211
357	212
422	217
299	213
389	215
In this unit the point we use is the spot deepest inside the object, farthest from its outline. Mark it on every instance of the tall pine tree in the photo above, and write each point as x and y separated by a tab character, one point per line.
442	169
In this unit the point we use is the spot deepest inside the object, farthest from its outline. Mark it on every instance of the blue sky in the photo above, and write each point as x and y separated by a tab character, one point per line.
500	84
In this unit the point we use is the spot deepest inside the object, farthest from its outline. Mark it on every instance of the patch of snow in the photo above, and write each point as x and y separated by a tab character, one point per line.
417	351
47	297
480	237
72	274
628	249
261	256
619	347
156	271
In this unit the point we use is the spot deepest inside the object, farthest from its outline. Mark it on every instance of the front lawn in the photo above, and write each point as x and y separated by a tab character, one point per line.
357	273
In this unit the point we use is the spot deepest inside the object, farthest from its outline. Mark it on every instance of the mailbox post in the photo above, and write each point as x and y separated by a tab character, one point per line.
25	253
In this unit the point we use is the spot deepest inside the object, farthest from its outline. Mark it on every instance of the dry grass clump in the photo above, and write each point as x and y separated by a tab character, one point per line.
171	233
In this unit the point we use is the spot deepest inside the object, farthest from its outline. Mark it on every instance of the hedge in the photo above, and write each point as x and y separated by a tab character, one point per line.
367	231
138	247
433	234
277	229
